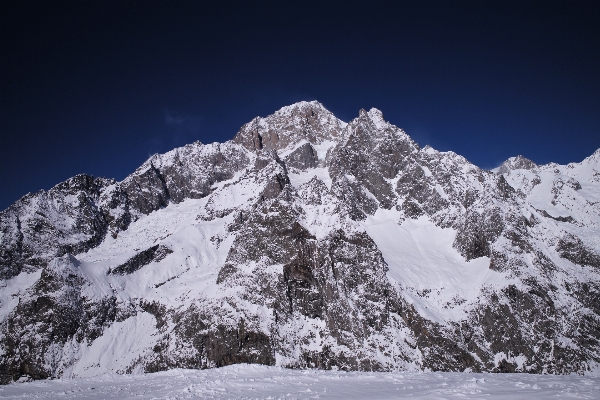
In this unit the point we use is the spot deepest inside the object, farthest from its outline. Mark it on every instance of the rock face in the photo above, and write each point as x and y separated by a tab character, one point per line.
306	242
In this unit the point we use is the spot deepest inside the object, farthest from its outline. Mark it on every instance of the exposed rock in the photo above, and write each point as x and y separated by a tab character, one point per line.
44	225
153	254
53	312
302	158
301	121
573	249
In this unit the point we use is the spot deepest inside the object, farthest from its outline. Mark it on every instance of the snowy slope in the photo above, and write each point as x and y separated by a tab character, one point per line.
421	260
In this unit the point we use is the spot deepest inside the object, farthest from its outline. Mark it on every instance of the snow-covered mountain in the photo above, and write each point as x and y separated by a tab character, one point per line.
306	242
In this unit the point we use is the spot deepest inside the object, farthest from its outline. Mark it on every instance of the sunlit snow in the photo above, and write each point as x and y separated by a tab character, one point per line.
261	382
428	270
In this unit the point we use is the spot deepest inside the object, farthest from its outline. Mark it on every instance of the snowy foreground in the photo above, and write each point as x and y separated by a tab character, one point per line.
254	381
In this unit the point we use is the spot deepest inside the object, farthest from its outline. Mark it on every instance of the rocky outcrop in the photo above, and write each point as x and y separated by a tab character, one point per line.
373	152
303	158
154	254
53	314
573	249
49	224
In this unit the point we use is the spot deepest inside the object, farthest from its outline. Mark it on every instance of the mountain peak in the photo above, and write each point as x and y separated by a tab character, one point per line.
518	162
376	116
301	105
288	126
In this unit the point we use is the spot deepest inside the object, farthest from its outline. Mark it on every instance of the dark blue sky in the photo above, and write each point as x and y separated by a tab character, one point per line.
97	87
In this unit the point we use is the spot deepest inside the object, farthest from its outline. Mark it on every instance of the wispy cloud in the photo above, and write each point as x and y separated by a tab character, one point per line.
173	120
180	128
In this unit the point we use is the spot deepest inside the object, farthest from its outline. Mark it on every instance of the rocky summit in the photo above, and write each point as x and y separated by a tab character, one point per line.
306	242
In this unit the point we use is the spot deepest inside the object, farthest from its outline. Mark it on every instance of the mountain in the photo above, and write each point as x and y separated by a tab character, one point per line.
306	242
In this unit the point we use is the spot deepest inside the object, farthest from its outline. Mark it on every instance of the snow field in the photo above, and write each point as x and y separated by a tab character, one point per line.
245	381
427	270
